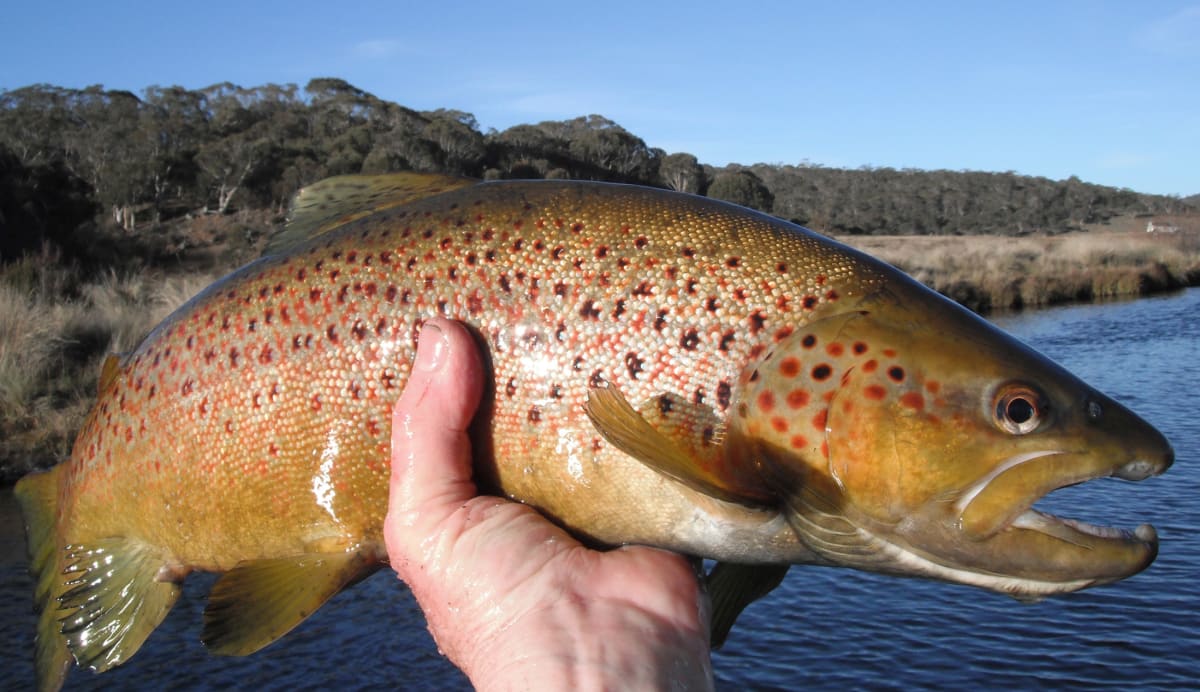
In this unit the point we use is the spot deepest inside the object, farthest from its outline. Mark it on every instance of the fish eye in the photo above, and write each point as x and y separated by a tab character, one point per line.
1019	409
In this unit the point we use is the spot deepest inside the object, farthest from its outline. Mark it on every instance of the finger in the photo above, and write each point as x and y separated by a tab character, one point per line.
431	454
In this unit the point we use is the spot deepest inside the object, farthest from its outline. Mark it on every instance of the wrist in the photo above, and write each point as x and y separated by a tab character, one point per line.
589	645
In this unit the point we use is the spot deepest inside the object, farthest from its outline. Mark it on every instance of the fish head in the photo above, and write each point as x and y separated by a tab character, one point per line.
916	441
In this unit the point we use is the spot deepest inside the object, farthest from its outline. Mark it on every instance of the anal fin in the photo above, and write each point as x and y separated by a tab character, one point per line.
117	598
259	601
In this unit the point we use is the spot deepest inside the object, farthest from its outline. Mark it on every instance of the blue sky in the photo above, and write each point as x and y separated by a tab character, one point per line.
1107	91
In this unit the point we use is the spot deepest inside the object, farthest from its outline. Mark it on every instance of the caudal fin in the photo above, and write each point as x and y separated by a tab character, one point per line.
37	495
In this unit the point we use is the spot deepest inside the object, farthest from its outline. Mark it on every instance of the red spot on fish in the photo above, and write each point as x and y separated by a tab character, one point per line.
797	398
835	349
825	449
818	420
819	279
875	391
779	424
799	442
889	352
783	333
766	401
790	367
870	366
913	400
933	386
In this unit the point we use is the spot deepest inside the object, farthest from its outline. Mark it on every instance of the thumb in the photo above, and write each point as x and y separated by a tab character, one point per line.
431	450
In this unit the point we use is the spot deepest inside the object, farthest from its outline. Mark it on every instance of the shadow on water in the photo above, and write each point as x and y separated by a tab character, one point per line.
823	629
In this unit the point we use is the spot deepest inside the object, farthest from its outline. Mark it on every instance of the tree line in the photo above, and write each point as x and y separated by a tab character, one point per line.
78	161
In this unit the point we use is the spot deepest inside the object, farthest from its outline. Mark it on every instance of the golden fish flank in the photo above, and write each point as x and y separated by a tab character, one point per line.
667	370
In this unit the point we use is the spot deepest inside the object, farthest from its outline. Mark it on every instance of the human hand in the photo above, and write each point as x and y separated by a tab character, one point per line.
510	598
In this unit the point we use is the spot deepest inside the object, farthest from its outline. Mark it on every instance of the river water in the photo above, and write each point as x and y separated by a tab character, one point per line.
823	629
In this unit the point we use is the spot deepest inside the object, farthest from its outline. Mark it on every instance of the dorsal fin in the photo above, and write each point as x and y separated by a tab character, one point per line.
108	372
329	203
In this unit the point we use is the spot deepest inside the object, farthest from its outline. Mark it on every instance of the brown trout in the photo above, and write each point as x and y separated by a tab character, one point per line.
666	370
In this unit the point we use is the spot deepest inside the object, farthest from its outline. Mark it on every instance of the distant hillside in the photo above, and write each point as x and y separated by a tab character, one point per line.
78	165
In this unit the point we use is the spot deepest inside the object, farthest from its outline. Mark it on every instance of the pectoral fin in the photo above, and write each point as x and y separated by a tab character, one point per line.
627	430
732	587
259	601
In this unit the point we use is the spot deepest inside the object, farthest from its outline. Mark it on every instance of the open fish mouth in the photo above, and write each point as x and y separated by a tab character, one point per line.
997	512
1066	529
1031	476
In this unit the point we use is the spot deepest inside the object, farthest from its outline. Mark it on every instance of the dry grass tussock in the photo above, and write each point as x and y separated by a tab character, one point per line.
51	349
994	273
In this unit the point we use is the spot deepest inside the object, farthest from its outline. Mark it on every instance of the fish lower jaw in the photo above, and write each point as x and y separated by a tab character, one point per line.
896	559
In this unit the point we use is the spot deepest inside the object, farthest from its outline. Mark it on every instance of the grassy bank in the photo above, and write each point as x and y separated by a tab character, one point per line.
994	273
56	328
54	335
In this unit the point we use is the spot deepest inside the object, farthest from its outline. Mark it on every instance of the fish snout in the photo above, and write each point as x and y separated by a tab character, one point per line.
1141	469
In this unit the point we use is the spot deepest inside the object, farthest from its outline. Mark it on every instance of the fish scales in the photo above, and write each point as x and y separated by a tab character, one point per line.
293	363
664	369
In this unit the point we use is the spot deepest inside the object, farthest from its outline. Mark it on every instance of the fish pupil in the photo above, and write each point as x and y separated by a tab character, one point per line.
1020	410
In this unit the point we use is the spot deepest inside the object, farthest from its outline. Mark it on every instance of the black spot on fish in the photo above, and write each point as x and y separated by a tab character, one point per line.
633	364
724	393
758	321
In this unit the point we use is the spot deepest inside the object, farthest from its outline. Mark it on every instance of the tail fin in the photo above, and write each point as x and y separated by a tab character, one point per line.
37	495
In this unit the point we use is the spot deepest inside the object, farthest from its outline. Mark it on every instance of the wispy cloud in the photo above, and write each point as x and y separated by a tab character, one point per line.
1176	35
376	49
1119	160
